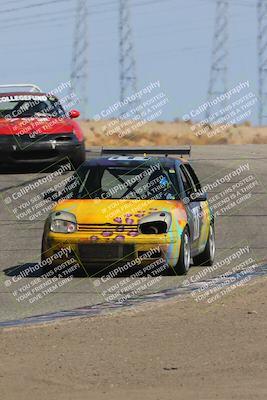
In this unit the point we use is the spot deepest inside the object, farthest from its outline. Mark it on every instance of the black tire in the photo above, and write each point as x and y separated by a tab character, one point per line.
77	162
206	258
183	264
79	158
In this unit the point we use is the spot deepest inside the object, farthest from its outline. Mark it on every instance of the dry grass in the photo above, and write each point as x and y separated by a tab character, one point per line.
171	133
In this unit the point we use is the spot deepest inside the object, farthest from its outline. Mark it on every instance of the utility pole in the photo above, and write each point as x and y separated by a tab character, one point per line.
128	75
219	65
80	63
262	57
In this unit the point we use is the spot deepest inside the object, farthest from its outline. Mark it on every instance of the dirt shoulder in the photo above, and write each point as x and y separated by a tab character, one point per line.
174	350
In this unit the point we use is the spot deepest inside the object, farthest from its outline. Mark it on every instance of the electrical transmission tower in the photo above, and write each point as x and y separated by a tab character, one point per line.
262	55
79	64
128	79
218	73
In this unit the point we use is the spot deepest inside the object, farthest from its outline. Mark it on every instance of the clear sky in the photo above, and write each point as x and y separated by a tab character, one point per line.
172	39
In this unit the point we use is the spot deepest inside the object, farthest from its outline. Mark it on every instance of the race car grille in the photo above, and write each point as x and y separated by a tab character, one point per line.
31	138
101	228
25	138
110	251
35	154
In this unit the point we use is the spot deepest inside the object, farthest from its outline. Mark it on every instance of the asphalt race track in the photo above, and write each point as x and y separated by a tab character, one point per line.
242	224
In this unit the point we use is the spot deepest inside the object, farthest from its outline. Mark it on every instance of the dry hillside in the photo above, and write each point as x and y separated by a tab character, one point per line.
158	133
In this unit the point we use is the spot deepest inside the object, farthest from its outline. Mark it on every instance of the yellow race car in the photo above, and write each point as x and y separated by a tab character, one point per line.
125	206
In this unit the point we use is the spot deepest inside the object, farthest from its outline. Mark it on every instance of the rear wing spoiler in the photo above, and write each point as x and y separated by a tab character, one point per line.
145	151
34	88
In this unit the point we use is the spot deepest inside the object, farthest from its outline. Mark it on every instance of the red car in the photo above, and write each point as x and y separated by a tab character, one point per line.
34	128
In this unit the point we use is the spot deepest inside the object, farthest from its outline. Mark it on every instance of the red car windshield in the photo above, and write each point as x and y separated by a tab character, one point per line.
27	106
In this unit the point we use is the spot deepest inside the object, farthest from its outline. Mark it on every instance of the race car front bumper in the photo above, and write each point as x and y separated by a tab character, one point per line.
108	253
40	149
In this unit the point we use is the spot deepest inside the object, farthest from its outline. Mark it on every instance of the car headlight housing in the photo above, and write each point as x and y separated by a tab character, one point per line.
155	223
63	222
60	226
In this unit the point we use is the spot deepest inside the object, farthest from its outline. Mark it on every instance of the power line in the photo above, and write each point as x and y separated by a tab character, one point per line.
29	6
54	2
92	6
36	16
236	2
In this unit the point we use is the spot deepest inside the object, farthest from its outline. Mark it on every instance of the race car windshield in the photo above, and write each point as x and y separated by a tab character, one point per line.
30	106
118	182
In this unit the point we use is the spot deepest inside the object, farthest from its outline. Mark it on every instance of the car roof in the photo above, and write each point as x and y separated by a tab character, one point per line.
132	161
2	94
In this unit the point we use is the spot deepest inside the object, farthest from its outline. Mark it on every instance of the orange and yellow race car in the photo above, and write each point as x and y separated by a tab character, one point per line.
123	206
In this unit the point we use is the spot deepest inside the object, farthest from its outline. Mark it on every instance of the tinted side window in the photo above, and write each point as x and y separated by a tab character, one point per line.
188	183
193	176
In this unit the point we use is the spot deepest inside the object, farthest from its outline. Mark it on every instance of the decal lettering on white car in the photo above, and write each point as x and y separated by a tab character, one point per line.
5	99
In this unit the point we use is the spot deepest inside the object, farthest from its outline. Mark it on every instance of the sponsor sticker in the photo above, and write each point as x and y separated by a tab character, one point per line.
5	99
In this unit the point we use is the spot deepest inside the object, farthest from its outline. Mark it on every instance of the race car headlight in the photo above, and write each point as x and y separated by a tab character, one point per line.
60	226
63	222
155	223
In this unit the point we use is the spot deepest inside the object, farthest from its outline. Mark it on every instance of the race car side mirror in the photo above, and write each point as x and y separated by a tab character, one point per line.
74	114
199	197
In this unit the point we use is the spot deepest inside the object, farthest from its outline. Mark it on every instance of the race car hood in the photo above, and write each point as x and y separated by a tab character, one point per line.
121	212
28	126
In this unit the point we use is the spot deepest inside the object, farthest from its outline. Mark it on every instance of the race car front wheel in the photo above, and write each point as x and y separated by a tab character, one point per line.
207	257
183	264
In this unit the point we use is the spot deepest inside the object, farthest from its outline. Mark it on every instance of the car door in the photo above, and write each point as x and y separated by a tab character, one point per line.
204	205
193	207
